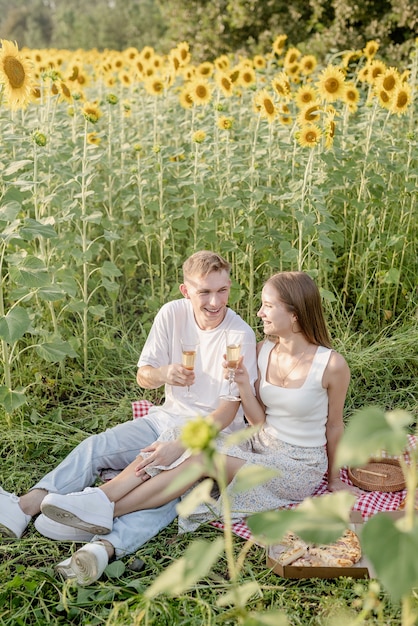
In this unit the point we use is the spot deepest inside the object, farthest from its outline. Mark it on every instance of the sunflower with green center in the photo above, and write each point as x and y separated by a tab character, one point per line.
330	83
200	92
199	434
264	105
199	136
91	112
309	136
15	75
225	123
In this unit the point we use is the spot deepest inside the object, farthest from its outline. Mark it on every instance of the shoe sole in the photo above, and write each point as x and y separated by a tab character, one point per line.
71	519
81	567
6	533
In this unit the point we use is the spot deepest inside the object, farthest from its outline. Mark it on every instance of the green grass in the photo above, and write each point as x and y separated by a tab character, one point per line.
384	373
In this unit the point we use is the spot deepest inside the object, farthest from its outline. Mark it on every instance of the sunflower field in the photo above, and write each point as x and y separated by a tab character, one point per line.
116	166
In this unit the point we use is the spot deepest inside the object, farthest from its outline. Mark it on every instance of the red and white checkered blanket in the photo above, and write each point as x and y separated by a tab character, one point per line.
368	504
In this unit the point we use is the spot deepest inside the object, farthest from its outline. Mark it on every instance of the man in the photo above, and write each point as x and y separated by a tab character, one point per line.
202	314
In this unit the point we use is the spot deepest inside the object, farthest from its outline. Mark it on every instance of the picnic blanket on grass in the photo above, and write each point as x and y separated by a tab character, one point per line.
368	504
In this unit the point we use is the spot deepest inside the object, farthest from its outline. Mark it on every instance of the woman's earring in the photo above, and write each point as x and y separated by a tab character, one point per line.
295	322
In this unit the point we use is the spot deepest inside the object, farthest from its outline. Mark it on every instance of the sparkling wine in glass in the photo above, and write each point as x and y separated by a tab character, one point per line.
188	358
234	341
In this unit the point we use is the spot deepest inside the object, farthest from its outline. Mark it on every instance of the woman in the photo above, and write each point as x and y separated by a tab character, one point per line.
300	394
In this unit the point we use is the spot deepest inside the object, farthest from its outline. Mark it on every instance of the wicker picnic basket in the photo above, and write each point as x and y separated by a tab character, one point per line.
378	475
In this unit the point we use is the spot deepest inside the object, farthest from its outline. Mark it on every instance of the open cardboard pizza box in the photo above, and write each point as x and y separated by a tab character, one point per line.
361	569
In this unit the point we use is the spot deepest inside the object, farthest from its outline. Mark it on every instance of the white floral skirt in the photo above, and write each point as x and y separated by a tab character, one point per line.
300	471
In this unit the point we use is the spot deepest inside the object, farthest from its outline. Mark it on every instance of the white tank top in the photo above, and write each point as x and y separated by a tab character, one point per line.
298	416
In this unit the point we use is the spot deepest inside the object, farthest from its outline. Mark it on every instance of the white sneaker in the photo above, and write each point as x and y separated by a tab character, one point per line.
53	530
13	520
89	510
86	565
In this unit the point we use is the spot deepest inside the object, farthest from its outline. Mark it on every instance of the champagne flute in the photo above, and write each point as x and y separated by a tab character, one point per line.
234	341
188	358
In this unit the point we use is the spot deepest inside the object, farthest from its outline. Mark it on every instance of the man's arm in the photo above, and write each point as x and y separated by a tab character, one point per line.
150	377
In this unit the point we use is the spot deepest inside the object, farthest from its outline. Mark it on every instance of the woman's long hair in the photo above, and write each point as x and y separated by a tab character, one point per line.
301	296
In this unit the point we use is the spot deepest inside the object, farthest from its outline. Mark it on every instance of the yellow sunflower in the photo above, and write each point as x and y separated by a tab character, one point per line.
91	112
15	75
402	99
247	77
376	69
330	83
225	83
183	53
259	62
285	117
147	53
309	136
264	105
222	63
363	74
278	44
389	80
307	64
93	138
351	96
185	98
309	114
205	69
225	123
200	92
305	95
281	85
199	136
370	49
154	86
384	97
291	56
65	92
329	132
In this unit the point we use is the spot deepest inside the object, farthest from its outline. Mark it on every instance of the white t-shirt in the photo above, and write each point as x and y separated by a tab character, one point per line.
175	321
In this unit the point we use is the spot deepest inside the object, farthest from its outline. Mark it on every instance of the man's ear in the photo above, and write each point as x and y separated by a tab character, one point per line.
183	290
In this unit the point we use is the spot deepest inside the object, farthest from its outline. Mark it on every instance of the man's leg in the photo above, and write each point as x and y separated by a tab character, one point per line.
115	448
129	532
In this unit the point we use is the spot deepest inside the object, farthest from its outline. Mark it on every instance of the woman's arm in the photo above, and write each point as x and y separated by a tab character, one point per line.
336	380
252	406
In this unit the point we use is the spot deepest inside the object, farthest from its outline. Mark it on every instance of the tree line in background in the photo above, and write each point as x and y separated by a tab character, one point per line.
212	27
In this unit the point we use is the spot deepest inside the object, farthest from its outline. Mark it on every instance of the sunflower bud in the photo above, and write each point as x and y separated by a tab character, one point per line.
199	434
39	138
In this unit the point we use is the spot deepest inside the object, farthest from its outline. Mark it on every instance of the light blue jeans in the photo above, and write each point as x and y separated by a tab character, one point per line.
113	449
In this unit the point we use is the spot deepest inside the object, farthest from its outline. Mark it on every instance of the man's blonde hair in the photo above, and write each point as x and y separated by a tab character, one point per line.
203	263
